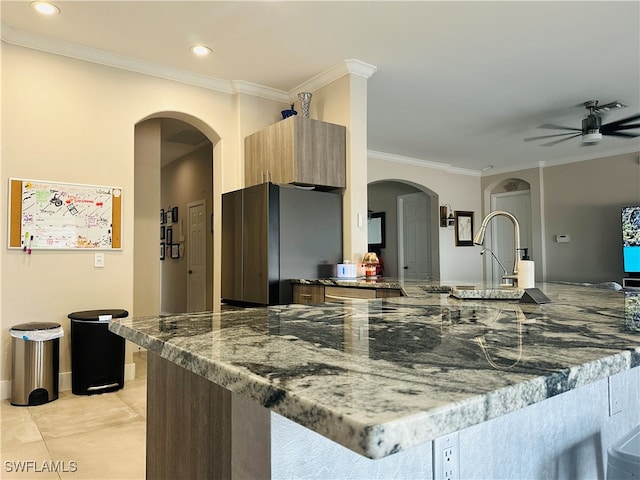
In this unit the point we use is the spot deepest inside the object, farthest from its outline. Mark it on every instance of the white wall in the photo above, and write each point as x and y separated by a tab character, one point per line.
460	191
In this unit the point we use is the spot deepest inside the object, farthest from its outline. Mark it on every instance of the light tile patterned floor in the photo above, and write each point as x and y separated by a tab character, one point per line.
78	436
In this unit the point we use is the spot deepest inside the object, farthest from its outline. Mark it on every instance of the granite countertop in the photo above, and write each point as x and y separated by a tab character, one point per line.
379	376
409	288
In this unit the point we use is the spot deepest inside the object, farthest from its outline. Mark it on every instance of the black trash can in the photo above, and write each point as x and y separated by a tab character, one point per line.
36	362
97	355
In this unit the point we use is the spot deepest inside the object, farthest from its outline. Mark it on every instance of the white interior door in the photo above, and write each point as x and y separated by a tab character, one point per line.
414	249
196	257
519	205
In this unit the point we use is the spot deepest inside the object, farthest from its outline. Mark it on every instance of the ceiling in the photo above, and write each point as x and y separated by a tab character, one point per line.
460	84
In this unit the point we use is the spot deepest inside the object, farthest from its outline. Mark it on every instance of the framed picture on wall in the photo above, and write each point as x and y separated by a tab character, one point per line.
163	217
175	251
174	214
169	235
162	248
375	230
464	228
162	231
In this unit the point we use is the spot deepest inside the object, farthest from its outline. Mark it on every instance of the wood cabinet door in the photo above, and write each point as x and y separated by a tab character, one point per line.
232	246
337	294
297	150
319	153
388	292
308	294
255	241
255	159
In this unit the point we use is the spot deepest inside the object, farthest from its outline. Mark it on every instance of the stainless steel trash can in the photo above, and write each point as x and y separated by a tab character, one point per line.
36	362
623	457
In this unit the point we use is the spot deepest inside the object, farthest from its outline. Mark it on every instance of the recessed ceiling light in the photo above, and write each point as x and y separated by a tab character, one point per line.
45	8
201	50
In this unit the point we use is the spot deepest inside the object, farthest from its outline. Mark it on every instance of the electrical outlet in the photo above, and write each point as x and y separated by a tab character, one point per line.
615	387
446	457
98	260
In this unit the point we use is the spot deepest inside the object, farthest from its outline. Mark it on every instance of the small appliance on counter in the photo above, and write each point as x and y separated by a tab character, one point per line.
346	270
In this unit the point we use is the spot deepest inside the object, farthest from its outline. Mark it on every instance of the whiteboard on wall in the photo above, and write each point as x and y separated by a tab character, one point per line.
57	215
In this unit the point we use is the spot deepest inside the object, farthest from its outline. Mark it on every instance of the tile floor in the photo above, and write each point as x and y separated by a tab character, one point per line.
78	436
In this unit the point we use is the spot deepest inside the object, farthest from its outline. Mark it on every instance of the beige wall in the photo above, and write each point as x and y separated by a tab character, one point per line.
533	176
73	121
460	191
146	297
185	180
344	102
383	197
583	200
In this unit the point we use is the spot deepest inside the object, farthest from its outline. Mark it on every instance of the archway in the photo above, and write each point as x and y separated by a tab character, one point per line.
514	196
391	196
152	139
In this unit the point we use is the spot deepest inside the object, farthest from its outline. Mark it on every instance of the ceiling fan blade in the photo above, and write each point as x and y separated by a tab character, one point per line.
559	127
541	137
622	121
615	128
555	142
617	133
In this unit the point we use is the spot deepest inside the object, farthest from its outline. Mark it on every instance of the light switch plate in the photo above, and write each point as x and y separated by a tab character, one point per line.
98	260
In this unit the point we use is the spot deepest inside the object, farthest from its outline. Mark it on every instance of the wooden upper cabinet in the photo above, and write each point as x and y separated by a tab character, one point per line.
297	150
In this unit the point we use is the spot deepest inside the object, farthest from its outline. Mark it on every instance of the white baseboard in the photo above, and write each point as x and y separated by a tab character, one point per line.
64	380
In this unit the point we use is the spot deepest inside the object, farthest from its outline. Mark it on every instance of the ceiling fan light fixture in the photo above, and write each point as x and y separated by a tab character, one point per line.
591	137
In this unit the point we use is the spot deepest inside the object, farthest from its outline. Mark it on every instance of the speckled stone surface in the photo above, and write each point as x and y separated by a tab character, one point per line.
379	376
409	288
488	293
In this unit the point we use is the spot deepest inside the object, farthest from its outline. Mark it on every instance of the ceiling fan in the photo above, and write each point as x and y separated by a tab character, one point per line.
592	127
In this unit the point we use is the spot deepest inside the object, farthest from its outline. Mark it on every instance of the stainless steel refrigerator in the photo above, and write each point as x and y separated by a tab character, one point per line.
274	233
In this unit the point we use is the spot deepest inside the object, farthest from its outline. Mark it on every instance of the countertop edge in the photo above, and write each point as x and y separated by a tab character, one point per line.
377	440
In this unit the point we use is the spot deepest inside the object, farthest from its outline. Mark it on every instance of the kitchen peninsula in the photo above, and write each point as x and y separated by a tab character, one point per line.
256	393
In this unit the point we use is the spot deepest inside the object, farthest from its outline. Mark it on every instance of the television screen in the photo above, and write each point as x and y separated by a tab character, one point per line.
631	239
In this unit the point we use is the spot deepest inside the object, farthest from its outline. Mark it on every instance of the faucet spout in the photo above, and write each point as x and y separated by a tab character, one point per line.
478	239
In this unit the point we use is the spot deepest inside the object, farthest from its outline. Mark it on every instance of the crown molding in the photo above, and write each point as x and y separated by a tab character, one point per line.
248	88
93	55
22	38
331	74
390	157
623	150
585	157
